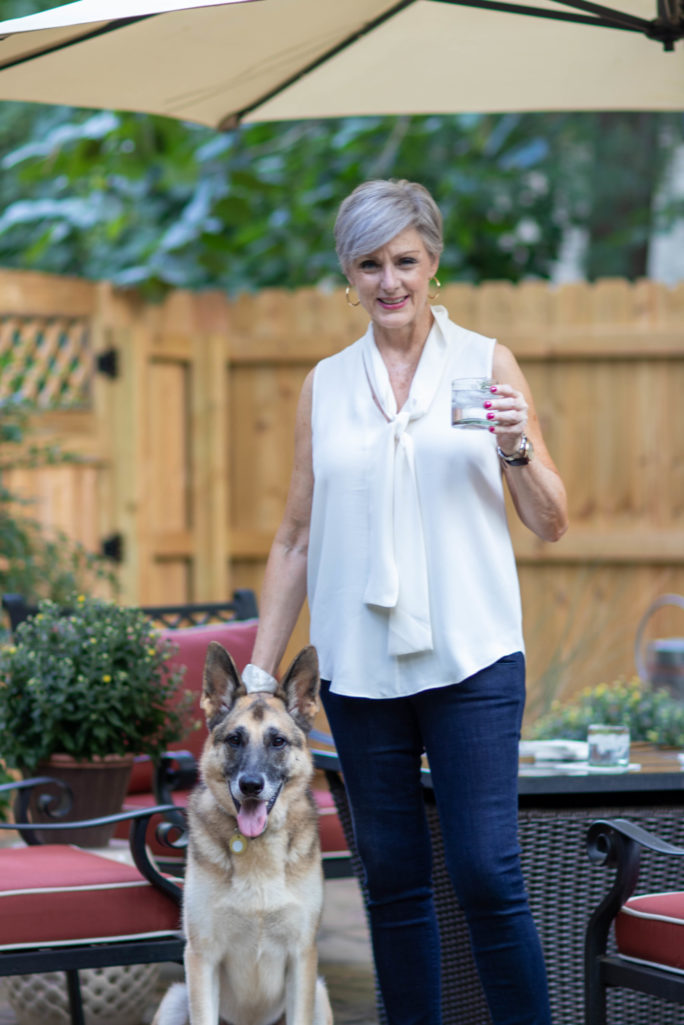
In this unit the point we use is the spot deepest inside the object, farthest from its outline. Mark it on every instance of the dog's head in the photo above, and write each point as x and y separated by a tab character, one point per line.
257	742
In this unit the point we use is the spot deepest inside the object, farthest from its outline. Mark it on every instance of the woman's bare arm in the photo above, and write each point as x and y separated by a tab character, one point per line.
537	490
284	586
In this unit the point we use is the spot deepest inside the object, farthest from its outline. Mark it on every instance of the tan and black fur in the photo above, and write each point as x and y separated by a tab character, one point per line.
251	918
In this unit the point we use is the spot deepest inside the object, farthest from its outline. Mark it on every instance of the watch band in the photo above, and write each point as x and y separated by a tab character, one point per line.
523	455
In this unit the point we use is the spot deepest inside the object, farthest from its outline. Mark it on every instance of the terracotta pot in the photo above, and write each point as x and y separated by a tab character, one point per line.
98	789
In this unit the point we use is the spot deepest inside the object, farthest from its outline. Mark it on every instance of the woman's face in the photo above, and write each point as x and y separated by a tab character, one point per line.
392	283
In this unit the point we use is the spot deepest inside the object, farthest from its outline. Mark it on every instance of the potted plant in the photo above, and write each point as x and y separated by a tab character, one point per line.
82	692
652	714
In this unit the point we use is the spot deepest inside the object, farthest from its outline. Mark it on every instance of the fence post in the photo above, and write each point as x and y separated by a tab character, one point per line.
210	461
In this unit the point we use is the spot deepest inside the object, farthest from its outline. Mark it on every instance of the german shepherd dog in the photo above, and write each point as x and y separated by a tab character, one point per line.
253	890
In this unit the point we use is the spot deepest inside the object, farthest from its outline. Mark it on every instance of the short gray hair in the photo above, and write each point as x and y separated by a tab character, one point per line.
376	211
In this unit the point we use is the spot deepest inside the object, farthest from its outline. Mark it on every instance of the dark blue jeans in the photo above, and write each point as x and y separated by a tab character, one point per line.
470	732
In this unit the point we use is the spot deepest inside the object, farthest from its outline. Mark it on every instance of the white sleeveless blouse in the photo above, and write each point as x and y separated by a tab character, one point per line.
412	581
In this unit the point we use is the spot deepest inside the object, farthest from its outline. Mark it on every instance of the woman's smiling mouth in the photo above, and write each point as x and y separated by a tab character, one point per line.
393	304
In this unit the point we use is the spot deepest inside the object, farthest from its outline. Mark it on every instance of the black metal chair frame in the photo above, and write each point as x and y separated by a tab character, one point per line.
617	843
70	958
243	605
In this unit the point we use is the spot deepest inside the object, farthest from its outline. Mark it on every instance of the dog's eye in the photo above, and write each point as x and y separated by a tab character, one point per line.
278	740
234	739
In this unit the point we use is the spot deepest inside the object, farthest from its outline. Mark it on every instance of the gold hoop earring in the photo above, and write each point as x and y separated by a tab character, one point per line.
349	302
435	295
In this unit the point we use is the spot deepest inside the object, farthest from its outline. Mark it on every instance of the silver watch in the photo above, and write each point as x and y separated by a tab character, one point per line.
523	455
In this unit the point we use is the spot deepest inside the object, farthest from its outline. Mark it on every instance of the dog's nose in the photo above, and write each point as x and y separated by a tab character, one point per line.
251	786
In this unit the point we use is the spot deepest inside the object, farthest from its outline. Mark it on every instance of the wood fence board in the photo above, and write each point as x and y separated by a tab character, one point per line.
211	466
29	293
167	471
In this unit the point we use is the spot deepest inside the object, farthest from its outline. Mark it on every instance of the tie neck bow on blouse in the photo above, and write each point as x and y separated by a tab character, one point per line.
397	578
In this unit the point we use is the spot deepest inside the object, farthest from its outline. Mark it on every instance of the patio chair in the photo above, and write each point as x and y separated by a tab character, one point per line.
64	908
645	932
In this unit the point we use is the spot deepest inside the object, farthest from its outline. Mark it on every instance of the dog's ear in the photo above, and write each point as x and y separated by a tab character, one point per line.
221	685
300	688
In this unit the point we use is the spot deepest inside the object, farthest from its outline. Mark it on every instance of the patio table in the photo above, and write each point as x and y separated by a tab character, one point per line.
556	806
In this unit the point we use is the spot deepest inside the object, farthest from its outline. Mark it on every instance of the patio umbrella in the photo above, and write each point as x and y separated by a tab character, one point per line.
219	63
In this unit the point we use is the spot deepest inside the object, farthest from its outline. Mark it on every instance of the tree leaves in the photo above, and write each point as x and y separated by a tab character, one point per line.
154	203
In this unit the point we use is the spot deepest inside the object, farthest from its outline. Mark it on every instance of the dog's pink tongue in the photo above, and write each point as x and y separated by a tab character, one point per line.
252	818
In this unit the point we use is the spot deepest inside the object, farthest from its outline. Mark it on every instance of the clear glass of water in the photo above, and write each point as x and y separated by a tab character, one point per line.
608	747
468	396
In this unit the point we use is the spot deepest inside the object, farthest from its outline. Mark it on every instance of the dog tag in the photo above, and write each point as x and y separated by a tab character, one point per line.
237	843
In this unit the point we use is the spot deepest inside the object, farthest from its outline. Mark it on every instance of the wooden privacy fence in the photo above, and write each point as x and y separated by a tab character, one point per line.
185	417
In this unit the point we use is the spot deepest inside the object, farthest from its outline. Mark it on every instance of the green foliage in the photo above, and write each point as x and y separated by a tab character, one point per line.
154	203
37	564
91	683
652	715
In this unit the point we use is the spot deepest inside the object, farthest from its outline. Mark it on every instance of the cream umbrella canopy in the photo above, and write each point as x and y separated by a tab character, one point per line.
219	63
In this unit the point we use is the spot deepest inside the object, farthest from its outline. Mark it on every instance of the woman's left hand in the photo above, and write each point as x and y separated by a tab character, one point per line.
508	410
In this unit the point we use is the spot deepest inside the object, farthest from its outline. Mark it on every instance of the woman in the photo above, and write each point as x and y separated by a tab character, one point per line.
395	525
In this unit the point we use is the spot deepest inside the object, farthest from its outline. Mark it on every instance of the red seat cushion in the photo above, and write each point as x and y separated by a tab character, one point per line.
651	928
60	894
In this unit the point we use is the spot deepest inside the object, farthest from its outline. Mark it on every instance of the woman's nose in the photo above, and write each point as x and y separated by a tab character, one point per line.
389	277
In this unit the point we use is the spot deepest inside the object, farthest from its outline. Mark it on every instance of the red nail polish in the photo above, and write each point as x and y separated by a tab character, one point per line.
493	388
492	430
490	416
487	404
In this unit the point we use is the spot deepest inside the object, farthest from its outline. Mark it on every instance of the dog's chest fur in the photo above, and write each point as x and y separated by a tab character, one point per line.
267	909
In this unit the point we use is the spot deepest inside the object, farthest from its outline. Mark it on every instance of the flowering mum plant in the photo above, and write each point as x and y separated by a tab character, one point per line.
652	715
90	683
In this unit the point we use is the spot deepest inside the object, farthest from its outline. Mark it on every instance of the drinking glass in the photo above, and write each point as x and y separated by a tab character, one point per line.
468	395
608	746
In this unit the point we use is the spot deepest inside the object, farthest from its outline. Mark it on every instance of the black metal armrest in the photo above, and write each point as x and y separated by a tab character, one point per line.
175	770
170	832
604	846
616	843
55	802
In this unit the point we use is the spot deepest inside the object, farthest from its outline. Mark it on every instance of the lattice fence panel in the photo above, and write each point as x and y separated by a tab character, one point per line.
46	360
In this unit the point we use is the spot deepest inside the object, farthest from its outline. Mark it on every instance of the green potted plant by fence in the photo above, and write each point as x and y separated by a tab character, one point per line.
83	693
